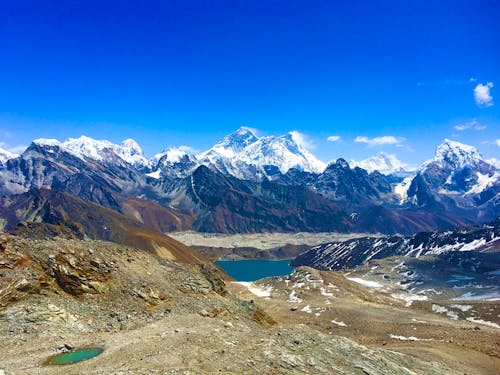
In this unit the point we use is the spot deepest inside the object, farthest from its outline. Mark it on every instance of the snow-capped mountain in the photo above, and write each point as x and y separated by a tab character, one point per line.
173	162
456	155
100	150
458	172
382	162
231	145
6	155
284	151
244	155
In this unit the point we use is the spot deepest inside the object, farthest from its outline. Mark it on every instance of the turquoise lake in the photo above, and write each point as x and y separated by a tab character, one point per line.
74	356
251	270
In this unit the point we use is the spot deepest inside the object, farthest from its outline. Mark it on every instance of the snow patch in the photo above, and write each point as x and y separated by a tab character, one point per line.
367	283
443	310
463	308
339	323
483	322
409	298
411	338
293	297
307	309
469	296
256	289
155	174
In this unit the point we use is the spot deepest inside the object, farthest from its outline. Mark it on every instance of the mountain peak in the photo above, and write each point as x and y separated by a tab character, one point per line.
383	162
243	130
46	142
229	146
85	147
457	154
239	139
173	155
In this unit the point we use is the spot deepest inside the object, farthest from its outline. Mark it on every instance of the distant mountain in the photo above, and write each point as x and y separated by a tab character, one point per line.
349	254
173	162
383	163
353	186
47	164
248	184
457	175
221	203
103	151
244	155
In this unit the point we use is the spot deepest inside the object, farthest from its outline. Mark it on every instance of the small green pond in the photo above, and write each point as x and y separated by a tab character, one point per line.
74	356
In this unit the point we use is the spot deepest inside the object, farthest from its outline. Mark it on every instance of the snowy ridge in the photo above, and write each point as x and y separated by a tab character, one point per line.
242	148
100	150
349	254
173	162
456	154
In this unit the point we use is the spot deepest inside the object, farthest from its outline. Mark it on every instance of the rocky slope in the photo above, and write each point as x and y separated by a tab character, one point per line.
155	315
88	220
370	307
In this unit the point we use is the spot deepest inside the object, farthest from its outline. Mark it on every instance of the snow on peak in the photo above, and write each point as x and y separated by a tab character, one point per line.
132	153
457	154
85	147
382	162
230	145
172	155
47	142
243	146
282	151
88	148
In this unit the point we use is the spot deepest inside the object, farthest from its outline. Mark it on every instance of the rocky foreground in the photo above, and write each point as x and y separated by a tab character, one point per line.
154	315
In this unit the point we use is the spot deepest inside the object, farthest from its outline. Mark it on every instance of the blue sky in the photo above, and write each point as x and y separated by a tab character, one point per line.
170	73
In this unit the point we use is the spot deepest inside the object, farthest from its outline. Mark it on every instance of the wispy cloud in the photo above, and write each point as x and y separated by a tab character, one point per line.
13	149
188	149
471	125
482	95
379	141
302	140
334	138
498	142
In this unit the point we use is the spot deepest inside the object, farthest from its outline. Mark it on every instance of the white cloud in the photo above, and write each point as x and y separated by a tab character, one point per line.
13	149
378	141
472	79
472	125
302	140
17	149
494	161
482	95
498	142
188	149
334	138
255	131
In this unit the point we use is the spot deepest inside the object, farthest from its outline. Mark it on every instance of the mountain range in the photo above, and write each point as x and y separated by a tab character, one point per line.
246	183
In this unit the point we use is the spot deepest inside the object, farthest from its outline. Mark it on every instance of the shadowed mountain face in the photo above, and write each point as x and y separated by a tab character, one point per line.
86	219
229	205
